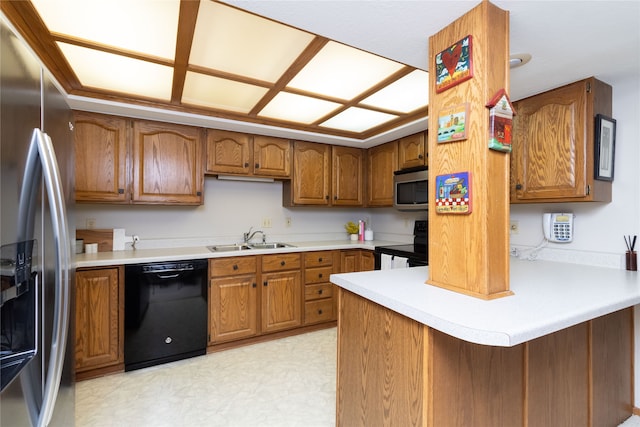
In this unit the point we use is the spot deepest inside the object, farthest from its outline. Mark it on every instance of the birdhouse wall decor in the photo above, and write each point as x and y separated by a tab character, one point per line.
501	114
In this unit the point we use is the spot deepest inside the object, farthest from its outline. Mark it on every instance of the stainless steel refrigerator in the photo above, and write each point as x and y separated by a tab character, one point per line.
36	204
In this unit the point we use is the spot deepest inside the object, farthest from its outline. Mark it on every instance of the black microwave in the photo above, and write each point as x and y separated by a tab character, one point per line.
410	189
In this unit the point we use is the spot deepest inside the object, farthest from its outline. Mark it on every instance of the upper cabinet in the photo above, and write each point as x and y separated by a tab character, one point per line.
346	176
412	151
553	145
101	158
242	154
325	175
381	163
120	160
167	163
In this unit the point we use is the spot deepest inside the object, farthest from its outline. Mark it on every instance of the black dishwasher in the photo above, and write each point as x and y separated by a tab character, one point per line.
165	312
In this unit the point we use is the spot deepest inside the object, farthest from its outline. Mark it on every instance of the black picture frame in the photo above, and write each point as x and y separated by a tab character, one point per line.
605	142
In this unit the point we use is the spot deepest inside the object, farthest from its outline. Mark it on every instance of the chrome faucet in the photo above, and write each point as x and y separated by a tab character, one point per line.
249	235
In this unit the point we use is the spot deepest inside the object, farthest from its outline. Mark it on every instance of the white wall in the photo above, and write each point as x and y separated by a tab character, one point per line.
231	207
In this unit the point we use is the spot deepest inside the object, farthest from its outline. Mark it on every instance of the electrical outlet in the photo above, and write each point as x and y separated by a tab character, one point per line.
287	221
91	223
266	222
513	227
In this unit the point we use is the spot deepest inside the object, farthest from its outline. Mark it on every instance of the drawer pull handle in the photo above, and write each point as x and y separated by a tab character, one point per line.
235	266
320	276
282	263
320	259
320	292
265	283
254	285
319	311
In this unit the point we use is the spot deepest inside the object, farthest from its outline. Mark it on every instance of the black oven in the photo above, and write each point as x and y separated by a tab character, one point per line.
409	255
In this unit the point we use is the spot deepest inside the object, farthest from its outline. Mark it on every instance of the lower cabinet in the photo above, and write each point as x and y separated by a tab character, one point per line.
352	260
281	292
99	317
232	298
319	300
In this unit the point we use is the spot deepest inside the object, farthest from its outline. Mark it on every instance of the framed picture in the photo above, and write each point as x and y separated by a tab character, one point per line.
453	193
452	123
605	136
454	64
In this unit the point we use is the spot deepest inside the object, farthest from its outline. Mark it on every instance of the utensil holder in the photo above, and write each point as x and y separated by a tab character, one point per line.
631	258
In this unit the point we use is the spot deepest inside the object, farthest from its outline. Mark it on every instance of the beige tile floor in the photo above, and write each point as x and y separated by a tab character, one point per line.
286	382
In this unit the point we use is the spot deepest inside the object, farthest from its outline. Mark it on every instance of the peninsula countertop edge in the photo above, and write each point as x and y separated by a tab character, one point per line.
547	297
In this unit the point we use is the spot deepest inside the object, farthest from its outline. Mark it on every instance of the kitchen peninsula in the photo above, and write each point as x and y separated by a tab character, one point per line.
556	352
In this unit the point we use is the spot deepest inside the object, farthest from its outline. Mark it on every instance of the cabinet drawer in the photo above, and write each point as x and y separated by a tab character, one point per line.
317	275
232	266
318	311
280	262
313	292
318	259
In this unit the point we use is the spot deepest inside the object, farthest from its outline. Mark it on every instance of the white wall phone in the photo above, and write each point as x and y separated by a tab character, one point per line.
558	227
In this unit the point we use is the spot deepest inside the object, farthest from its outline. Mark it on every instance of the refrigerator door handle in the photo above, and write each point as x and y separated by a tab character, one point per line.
42	148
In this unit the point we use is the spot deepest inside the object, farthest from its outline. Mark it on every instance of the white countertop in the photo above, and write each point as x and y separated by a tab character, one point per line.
548	297
138	256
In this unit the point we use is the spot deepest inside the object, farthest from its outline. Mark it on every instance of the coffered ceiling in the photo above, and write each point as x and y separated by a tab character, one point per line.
567	40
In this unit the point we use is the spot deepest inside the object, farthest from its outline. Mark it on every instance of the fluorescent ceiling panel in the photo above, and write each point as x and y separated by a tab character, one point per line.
298	108
119	73
143	26
356	119
221	94
243	44
343	72
405	95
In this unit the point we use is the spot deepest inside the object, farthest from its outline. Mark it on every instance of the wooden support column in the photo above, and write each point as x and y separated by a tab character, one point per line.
469	253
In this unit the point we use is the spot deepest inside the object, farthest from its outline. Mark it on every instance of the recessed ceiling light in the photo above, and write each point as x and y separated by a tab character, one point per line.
518	60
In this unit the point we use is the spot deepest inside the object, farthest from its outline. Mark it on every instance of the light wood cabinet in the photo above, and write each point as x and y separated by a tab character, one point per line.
346	176
167	163
311	180
99	318
243	154
553	145
281	292
382	161
353	260
319	293
101	158
412	151
232	298
121	160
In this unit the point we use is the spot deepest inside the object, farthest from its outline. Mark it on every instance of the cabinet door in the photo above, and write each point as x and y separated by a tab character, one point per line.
311	177
232	308
101	158
271	156
367	260
167	165
349	261
281	301
228	152
412	151
381	163
548	158
99	325
346	179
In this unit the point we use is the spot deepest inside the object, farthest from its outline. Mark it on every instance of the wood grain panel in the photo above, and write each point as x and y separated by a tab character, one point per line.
382	161
379	365
475	385
233	307
97	316
311	180
557	378
318	311
280	262
346	176
232	266
318	259
317	275
612	368
469	253
281	301
228	152
318	291
271	156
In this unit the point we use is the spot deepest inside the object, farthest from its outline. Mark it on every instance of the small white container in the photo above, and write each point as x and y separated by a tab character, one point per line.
368	234
79	246
354	237
91	248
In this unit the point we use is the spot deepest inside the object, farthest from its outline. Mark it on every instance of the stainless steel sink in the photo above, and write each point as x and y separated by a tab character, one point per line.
270	245
247	246
229	248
